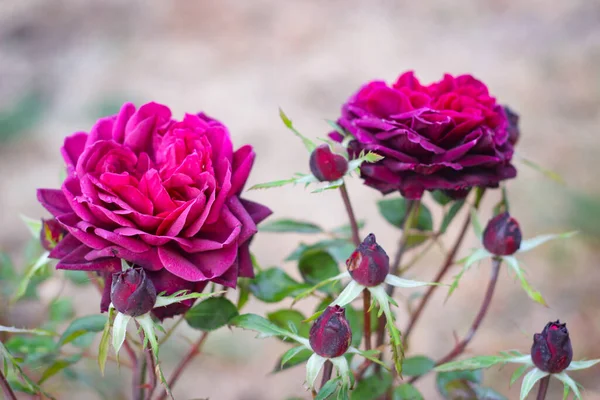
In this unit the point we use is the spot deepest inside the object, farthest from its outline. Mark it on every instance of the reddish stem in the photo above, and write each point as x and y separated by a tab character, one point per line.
367	318
411	207
487	300
448	262
193	352
6	389
544	383
351	216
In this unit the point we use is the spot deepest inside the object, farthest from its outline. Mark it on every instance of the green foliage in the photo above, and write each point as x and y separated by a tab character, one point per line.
450	214
211	314
60	310
417	365
285	225
316	266
394	211
339	249
81	326
291	320
273	285
309	144
372	387
406	391
79	278
293	357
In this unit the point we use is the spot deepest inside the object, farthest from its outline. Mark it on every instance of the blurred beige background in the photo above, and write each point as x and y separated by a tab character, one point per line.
64	63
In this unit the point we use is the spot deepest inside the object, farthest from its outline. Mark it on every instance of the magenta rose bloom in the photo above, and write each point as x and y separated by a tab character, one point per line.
450	135
161	194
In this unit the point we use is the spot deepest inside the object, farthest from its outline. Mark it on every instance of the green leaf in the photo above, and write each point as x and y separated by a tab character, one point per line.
293	357
283	318
474	257
309	144
568	381
30	272
243	292
340	249
518	373
372	387
272	184
530	380
417	365
531	292
164	300
81	326
394	210
532	243
329	186
488	394
449	216
61	309
211	314
264	327
440	197
273	285
289	225
456	382
104	340
79	278
546	172
12	329
58	366
328	389
407	391
583	364
317	266
473	363
337	127
346	230
34	226
368	157
31	348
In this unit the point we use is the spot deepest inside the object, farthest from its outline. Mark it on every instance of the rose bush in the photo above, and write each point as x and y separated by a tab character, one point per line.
159	193
450	135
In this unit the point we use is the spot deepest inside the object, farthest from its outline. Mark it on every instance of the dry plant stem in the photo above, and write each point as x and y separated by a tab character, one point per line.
442	272
544	383
411	211
139	375
487	300
6	389
193	352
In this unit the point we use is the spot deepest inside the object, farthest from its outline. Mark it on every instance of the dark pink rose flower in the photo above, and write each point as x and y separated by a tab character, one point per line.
159	193
551	350
449	135
369	264
325	165
132	293
502	235
330	336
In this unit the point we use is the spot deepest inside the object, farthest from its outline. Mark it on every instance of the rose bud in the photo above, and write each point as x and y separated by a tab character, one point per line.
132	293
551	350
502	235
51	233
325	165
513	125
330	335
369	264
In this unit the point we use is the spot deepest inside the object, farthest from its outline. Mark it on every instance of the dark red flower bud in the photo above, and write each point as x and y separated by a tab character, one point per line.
502	235
369	264
330	336
551	350
327	165
51	233
513	125
132	293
